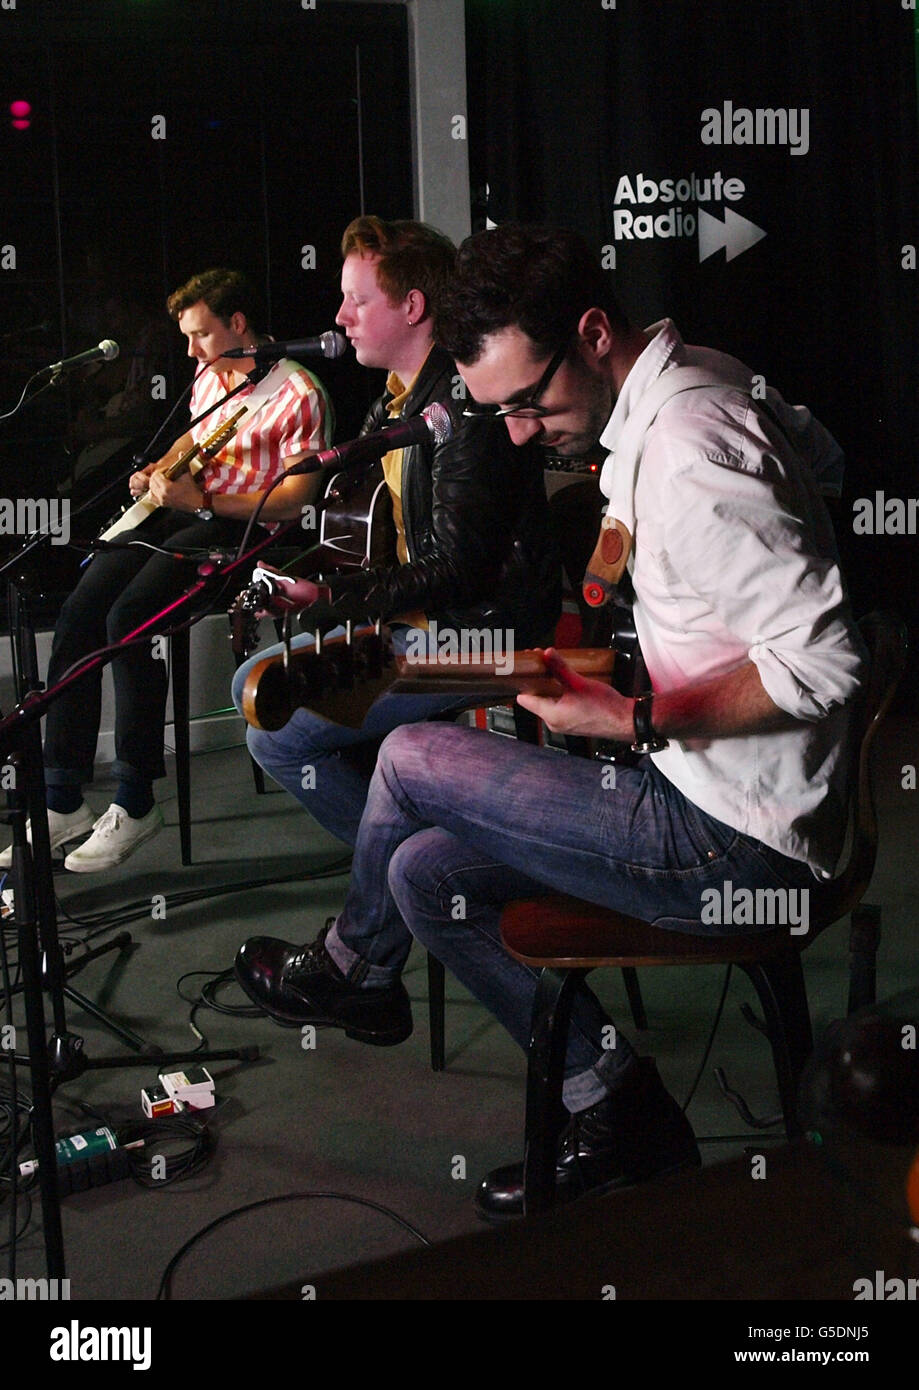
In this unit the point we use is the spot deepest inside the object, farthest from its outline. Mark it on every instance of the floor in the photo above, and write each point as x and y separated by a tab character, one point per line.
364	1151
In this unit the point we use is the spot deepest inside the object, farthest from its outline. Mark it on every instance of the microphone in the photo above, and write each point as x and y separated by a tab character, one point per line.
433	423
106	350
326	345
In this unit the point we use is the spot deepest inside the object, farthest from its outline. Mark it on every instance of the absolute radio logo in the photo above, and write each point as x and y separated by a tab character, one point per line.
637	214
646	208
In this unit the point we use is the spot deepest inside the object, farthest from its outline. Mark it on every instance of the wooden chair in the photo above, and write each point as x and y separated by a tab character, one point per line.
565	938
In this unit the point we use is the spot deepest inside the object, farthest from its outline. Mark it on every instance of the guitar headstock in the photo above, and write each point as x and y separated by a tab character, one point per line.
243	614
222	434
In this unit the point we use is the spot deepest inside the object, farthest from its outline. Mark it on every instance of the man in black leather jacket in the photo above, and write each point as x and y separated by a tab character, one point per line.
475	526
473	552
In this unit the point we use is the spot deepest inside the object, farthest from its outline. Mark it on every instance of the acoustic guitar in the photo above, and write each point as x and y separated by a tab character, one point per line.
192	461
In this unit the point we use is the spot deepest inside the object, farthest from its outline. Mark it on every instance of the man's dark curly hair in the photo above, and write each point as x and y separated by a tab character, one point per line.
534	278
225	292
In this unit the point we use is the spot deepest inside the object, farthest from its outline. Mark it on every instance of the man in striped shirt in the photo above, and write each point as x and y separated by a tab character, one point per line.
288	417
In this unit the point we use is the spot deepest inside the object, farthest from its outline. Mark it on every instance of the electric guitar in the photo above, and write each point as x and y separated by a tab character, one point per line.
342	677
137	512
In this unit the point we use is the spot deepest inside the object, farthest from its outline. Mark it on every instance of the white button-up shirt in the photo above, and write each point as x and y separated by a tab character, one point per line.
734	560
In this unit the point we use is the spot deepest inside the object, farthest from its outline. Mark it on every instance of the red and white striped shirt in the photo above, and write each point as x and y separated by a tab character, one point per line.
297	418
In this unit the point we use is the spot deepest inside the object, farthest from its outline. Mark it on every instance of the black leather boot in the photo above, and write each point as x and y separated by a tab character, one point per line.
637	1132
302	984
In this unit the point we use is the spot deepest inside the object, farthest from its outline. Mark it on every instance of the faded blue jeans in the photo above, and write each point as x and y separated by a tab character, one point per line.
328	766
460	821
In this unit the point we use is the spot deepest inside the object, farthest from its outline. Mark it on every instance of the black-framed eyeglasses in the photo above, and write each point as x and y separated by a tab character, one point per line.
529	408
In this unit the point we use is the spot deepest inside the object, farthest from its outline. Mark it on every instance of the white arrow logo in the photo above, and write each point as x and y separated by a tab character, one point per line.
736	235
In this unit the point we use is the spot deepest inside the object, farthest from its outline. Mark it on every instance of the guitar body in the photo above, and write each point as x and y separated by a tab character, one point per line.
340	682
356	527
136	513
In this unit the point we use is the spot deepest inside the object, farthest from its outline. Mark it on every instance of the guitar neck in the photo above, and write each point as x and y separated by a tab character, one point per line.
514	668
206	449
132	516
183	463
341	682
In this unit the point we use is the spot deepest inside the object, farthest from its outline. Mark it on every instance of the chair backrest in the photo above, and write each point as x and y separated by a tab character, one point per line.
884	635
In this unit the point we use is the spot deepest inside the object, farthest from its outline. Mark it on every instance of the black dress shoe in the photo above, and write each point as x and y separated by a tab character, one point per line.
302	984
638	1132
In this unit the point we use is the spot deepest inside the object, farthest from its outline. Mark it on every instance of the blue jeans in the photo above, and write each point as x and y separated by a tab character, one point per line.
458	822
328	766
118	590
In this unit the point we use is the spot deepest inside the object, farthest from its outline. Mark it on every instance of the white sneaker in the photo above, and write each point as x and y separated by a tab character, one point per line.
62	828
115	836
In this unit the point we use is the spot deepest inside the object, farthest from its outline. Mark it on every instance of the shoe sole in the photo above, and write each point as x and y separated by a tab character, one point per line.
616	1185
96	866
72	837
358	1034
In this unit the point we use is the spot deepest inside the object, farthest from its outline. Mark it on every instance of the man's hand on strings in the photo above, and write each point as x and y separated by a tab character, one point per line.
585	706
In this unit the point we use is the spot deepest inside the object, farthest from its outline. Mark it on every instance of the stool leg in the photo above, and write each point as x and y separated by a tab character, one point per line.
181	662
636	1003
782	995
864	939
545	1113
436	976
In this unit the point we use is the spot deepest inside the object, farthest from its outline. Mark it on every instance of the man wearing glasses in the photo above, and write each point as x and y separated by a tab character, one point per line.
753	661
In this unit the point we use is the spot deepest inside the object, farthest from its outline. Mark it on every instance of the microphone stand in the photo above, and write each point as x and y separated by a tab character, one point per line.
62	1057
27	683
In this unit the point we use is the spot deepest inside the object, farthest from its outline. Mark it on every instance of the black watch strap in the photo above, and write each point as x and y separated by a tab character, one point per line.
646	740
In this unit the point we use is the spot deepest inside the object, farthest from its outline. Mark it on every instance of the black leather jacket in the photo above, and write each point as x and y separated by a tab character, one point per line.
476	527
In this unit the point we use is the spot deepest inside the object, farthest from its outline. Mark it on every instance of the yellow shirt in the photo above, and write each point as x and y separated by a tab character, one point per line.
392	472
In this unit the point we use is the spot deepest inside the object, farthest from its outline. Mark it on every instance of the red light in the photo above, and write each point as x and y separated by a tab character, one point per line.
20	109
20	125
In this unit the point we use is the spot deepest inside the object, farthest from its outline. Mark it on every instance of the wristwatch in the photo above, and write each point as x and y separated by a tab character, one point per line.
205	512
646	740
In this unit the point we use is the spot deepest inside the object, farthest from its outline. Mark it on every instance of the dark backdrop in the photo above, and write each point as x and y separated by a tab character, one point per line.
566	97
281	124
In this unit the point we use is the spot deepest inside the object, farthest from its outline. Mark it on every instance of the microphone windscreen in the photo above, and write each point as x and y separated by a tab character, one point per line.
333	344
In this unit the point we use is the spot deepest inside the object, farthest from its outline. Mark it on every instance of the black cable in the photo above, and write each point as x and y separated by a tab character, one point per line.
206	1000
200	1146
140	908
34	396
711	1040
165	1285
186	392
253	517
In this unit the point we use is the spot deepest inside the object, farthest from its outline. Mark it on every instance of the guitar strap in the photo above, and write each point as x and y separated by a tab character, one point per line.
266	388
619	479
